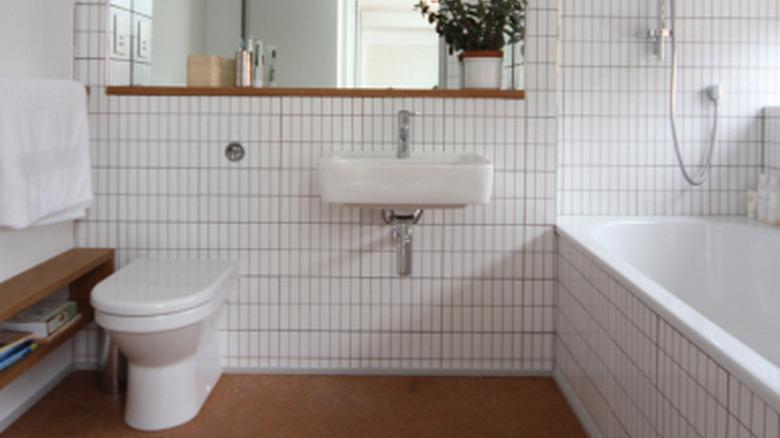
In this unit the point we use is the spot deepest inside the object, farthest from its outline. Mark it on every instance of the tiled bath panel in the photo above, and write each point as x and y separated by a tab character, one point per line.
616	149
317	287
633	373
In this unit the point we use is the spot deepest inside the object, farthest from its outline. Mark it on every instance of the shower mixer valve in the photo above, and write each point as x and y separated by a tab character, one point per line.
659	37
659	34
664	32
714	92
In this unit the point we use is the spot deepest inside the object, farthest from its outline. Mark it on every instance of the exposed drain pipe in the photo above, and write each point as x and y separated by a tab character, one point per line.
404	239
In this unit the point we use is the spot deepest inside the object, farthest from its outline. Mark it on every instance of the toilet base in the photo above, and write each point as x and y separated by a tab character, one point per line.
165	396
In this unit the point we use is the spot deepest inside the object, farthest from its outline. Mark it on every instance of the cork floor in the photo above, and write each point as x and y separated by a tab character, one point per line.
324	406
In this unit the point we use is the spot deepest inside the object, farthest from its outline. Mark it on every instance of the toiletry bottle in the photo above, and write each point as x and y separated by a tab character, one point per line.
243	68
773	200
243	63
752	200
272	66
259	65
762	199
752	204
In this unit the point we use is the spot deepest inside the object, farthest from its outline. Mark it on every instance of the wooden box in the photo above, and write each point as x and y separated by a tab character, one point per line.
205	71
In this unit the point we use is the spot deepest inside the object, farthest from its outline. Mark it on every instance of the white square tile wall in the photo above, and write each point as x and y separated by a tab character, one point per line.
772	138
317	288
616	151
633	373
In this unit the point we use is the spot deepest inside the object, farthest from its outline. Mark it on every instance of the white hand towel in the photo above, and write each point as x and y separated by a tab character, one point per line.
45	174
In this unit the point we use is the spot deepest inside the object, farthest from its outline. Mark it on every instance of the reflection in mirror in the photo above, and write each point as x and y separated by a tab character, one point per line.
346	43
306	44
386	43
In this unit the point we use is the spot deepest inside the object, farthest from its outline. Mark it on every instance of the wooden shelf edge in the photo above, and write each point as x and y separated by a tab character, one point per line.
10	374
315	92
38	282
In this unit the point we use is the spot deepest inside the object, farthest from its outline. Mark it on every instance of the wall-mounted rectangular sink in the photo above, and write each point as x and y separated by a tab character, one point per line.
423	181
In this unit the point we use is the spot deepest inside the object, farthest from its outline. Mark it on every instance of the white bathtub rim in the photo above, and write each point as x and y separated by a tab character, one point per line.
759	373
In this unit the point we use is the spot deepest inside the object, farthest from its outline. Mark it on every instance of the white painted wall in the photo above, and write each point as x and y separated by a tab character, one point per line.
306	34
20	250
36	40
179	30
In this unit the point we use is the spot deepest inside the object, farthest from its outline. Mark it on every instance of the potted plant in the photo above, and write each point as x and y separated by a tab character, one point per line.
478	30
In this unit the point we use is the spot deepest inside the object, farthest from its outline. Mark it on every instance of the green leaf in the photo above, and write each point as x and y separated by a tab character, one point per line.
482	25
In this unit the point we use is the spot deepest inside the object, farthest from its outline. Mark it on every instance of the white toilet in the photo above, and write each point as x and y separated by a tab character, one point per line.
163	315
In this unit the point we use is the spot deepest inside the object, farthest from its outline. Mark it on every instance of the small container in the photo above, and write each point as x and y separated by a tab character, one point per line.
483	69
752	201
248	43
243	68
773	201
762	200
272	54
773	209
258	79
204	71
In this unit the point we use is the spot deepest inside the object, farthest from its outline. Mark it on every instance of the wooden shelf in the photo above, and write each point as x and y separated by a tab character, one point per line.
10	374
314	92
37	283
79	269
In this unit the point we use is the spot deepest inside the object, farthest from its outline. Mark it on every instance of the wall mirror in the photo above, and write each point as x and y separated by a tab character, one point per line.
305	44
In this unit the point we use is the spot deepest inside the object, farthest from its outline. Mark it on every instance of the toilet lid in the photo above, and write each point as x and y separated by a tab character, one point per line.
156	287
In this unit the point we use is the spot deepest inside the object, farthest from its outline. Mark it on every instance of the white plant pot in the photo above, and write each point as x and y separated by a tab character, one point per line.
482	72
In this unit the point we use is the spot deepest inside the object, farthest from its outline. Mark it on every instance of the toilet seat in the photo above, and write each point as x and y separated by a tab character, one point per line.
161	288
157	323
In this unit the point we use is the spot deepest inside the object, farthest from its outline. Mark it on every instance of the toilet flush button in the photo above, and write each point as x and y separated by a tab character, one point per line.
235	152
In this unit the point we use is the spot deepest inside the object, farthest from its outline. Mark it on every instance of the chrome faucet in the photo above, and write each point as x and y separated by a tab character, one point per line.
404	133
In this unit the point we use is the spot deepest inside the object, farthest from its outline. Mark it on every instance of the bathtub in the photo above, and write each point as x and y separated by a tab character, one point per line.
715	282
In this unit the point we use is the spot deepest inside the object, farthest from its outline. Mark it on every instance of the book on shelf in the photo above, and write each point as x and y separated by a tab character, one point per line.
43	319
67	325
16	354
15	349
10	339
